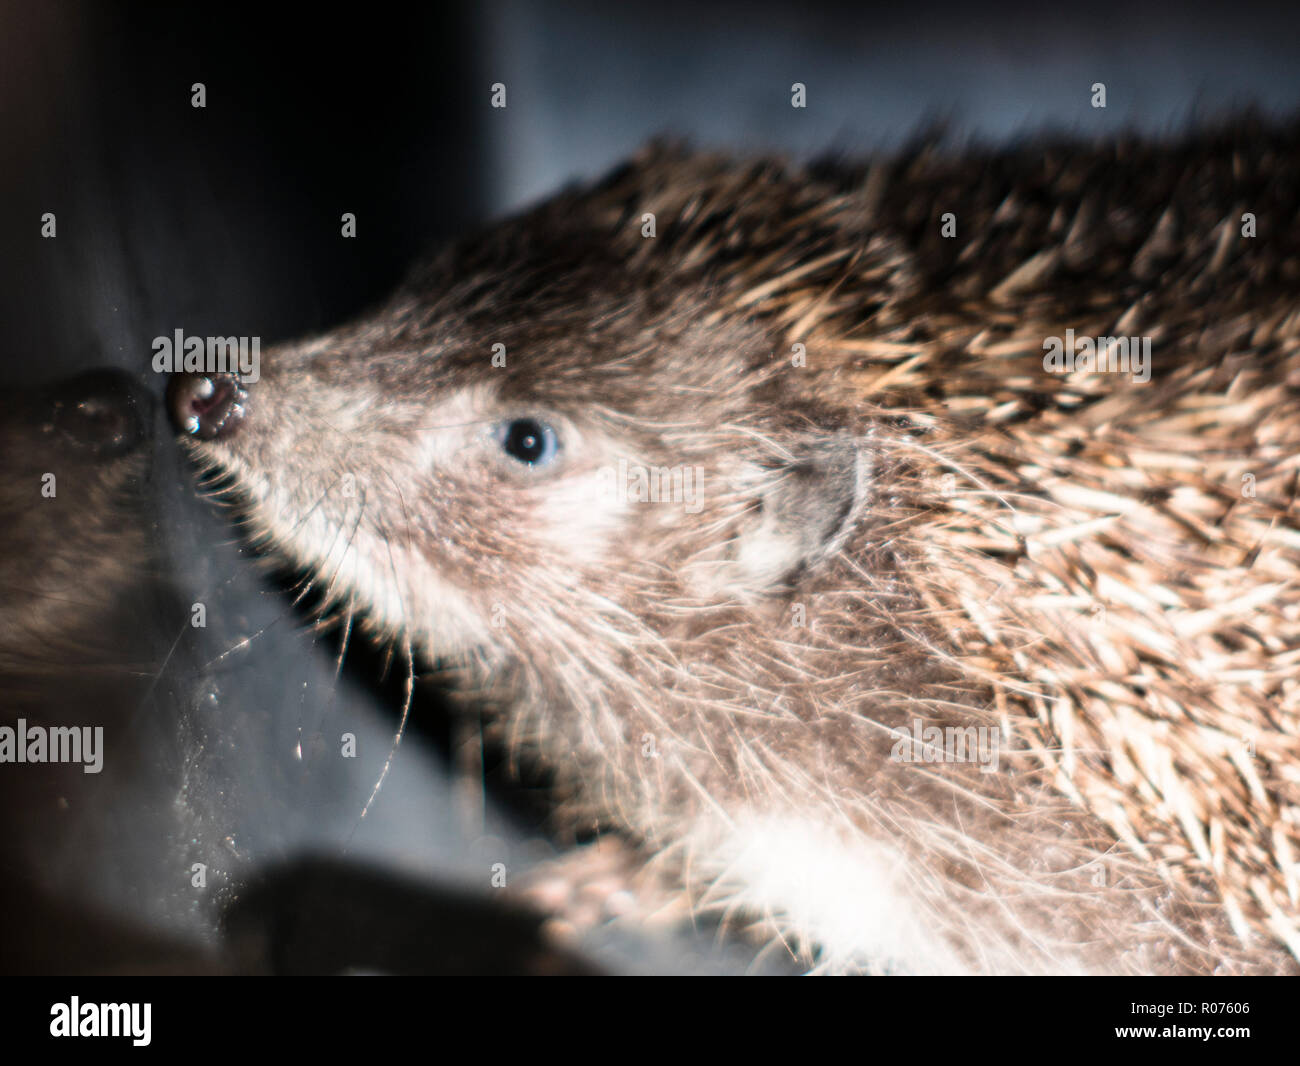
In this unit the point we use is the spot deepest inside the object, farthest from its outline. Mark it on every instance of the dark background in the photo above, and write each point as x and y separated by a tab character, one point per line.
225	220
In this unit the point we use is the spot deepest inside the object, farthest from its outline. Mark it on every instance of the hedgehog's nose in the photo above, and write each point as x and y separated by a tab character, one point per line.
207	406
102	410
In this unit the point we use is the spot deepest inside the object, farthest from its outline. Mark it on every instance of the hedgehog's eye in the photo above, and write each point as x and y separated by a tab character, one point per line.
529	441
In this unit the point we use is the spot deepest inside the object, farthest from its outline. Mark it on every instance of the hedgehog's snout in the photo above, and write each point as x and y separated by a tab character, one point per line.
206	406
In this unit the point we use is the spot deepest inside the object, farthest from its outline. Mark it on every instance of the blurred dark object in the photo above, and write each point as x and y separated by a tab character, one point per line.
326	917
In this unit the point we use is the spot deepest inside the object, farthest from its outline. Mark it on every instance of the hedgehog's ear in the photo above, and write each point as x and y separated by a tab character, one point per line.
804	513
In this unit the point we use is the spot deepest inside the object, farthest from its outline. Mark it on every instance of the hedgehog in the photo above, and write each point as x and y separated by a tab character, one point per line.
900	556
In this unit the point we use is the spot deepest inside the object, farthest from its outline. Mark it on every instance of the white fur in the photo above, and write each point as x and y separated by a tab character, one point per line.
843	892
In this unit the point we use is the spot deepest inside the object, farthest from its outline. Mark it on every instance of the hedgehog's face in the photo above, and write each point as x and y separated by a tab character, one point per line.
477	478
